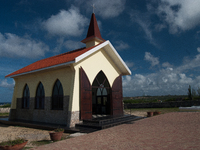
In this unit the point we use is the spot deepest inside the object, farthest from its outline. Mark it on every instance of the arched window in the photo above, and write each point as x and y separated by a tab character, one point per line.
26	97
101	90
39	99
57	96
101	95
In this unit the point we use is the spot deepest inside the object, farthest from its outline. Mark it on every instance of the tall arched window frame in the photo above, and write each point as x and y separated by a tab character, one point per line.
26	97
39	98
101	90
57	96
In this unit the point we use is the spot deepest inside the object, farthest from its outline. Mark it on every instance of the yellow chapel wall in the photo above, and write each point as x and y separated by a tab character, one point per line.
69	77
91	43
92	65
48	79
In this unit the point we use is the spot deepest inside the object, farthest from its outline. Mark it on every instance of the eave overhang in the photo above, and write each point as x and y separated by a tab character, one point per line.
106	46
43	69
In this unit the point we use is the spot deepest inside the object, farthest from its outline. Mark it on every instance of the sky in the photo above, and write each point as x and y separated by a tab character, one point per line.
159	40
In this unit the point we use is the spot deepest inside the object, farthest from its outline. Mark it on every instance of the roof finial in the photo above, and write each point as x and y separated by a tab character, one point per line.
93	7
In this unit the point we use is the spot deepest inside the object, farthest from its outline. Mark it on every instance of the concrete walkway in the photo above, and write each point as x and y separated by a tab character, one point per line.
172	131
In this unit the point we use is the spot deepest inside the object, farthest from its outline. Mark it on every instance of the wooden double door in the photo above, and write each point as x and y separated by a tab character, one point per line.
102	106
100	97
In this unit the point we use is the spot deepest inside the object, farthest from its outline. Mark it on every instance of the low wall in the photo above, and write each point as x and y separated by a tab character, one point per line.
4	110
164	104
46	115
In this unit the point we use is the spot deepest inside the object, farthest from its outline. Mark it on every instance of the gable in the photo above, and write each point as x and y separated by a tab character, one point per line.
96	62
111	52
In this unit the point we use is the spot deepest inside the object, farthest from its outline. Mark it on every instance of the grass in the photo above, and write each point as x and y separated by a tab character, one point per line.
4	114
42	142
5	106
157	99
26	148
162	110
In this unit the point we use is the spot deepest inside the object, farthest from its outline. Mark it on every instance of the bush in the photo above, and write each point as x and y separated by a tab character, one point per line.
5	106
196	98
12	142
140	101
58	130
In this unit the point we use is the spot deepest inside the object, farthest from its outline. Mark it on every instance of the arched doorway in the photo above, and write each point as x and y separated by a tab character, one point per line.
101	95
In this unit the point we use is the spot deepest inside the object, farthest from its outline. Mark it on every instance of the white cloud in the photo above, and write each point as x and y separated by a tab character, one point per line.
185	79
73	44
129	64
198	49
66	23
153	60
69	45
4	83
160	83
108	9
104	8
166	64
179	15
166	80
15	46
190	64
120	45
144	21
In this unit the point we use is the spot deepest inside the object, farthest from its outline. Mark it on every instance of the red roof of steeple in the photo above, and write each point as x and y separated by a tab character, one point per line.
93	30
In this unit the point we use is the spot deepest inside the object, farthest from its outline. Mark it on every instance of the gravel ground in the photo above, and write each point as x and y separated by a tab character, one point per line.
170	131
4	110
13	132
136	113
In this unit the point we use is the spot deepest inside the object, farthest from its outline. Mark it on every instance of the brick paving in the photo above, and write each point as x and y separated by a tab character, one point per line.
171	131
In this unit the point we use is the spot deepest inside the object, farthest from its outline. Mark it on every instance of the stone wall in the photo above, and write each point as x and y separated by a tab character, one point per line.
164	104
46	115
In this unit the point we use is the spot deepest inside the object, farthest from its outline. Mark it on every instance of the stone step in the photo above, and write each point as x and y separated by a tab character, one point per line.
109	120
103	124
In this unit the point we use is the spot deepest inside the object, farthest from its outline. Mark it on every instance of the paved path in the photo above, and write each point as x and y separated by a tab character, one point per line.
172	131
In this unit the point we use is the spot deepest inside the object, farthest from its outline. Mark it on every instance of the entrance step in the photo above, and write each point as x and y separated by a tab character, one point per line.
106	122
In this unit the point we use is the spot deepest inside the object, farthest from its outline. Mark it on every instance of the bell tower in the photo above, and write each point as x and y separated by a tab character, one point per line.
93	35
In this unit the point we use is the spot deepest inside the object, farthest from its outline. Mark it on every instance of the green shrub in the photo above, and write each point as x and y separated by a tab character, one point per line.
196	98
12	142
5	106
140	101
170	100
58	130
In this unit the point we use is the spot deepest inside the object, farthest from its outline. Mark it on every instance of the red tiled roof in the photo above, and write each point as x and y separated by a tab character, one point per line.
52	61
93	30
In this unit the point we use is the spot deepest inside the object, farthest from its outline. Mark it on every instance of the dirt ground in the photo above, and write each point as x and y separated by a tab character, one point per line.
13	132
136	113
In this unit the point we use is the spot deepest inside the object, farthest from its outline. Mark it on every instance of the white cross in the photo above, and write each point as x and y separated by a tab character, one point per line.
93	8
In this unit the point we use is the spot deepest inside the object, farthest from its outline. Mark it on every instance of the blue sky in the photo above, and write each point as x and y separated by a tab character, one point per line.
158	39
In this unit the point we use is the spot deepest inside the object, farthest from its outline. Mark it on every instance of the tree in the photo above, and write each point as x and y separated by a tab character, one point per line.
194	94
198	91
190	93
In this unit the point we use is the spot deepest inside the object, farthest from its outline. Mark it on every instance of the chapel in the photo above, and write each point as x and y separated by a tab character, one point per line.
69	87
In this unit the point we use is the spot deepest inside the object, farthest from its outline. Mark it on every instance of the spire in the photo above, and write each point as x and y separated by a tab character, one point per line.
93	34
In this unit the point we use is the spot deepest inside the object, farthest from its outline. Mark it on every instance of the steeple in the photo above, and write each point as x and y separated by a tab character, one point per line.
93	35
